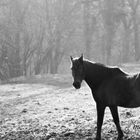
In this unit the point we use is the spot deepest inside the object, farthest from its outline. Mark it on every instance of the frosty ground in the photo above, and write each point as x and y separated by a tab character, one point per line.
48	108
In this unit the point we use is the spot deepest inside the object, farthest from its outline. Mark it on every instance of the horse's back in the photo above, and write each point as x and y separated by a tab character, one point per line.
116	71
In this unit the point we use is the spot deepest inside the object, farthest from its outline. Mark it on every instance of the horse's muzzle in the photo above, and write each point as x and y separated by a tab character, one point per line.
77	85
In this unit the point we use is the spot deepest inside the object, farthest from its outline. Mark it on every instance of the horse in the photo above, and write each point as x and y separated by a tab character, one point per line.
110	86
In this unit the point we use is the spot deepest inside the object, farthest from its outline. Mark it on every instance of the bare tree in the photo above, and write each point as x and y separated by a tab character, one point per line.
109	14
127	26
59	29
39	52
18	13
135	17
89	25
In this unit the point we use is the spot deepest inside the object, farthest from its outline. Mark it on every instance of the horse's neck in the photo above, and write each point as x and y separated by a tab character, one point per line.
95	74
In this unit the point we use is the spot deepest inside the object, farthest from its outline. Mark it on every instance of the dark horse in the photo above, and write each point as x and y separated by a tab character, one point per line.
110	86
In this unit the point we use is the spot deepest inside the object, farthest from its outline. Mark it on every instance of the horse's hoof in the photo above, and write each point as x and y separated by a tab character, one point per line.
97	138
120	138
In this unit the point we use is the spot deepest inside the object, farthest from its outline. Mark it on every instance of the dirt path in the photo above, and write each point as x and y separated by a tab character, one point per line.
44	111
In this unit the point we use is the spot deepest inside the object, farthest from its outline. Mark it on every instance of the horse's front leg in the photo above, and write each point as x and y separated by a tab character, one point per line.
100	116
114	112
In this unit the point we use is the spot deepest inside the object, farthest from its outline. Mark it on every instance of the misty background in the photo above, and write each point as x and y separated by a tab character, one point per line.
38	36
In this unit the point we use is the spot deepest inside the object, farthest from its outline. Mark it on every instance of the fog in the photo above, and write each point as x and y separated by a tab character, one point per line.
38	36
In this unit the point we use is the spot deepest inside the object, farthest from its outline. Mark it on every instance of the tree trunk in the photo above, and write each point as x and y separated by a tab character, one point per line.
38	67
136	41
109	39
125	51
87	29
17	56
24	69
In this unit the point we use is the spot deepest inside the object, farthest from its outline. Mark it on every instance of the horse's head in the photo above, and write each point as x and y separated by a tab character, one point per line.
77	71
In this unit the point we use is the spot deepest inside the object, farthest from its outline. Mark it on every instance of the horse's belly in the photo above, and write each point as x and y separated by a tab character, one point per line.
135	102
123	99
131	105
119	92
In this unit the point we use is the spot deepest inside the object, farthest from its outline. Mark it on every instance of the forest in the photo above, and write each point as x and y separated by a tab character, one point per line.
38	36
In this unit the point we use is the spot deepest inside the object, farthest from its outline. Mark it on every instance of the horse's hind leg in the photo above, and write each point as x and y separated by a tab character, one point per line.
114	112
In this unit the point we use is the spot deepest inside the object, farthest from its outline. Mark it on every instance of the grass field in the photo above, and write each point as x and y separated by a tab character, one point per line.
49	108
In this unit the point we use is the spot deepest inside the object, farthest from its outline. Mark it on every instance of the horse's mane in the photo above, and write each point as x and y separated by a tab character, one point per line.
118	69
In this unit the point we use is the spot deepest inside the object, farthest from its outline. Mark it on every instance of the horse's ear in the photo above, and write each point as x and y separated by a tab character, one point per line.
71	58
81	58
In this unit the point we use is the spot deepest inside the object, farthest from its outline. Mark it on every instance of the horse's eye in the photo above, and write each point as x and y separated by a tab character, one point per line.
74	68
